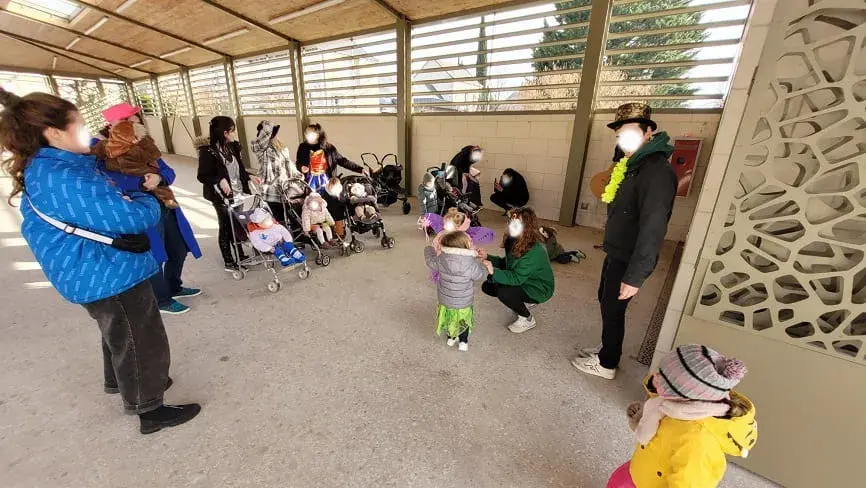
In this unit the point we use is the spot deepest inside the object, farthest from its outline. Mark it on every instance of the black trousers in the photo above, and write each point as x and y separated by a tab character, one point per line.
278	211
612	312
512	296
500	200
224	237
167	281
135	353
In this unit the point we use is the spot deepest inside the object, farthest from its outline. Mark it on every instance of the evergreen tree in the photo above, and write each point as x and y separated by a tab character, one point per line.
634	41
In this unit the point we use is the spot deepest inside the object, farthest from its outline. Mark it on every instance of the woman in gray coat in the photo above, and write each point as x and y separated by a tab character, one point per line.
459	269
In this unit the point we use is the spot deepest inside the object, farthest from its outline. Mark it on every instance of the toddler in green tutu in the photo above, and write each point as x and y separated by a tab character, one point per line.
458	269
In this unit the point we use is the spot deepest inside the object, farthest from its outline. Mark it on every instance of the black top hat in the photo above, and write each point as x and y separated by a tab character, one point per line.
632	112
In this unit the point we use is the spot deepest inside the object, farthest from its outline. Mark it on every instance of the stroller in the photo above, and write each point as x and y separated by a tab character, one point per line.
294	192
386	181
239	210
454	197
357	225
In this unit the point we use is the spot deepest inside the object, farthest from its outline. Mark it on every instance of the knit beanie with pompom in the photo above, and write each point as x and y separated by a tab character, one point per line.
695	372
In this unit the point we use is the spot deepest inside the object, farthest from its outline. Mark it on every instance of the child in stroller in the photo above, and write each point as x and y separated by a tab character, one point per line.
363	212
295	193
449	194
270	237
251	213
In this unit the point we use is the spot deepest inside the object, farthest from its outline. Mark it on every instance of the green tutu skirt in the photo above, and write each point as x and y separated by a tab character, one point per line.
454	321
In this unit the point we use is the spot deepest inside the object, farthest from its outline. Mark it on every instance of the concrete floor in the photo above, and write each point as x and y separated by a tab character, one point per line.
337	381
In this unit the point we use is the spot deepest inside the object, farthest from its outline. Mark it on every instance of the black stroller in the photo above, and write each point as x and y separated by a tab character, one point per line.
239	210
449	195
294	192
359	225
386	180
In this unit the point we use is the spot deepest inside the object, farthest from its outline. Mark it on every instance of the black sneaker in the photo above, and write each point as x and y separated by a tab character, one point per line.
168	416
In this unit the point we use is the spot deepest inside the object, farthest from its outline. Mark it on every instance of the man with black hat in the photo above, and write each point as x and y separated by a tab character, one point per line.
640	196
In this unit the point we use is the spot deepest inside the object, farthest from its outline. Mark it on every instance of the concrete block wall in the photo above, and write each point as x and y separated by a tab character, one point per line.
592	212
182	134
535	145
354	135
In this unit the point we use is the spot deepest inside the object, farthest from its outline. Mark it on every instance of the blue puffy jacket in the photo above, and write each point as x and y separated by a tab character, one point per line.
69	188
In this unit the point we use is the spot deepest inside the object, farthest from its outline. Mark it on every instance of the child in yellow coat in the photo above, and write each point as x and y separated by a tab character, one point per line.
691	420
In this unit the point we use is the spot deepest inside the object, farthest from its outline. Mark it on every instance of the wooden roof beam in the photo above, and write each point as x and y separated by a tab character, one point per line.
398	15
85	36
51	47
250	22
124	18
39	46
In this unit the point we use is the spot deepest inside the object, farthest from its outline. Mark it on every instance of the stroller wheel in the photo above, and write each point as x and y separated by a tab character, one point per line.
239	274
326	260
357	246
376	232
407	207
274	286
304	273
318	260
388	242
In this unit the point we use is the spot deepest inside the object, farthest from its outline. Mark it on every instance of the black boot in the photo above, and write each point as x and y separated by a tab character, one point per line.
167	416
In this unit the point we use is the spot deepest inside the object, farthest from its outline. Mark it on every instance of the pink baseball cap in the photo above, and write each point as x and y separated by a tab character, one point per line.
119	112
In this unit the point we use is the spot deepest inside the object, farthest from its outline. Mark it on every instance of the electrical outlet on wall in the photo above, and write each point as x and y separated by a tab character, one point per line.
584	206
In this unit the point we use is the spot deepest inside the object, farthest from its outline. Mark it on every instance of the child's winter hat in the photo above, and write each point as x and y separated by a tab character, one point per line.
259	215
695	372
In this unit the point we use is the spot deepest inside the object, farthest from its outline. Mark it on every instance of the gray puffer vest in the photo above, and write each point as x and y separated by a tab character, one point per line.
458	270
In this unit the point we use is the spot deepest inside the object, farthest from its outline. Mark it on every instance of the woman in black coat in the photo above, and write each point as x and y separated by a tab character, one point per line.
223	175
317	158
510	191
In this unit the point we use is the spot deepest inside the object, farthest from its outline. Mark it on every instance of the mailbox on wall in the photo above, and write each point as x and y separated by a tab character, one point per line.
684	160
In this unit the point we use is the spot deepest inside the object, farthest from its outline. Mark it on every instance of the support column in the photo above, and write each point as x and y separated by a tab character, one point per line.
404	99
130	94
187	87
592	59
166	130
52	83
229	67
298	90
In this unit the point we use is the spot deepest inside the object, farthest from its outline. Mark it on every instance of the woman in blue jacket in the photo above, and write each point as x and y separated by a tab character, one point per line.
172	238
88	238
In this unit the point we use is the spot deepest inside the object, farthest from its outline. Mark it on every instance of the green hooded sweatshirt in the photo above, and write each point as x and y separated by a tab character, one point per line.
532	272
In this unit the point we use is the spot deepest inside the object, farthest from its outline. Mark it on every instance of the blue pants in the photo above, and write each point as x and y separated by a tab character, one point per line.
167	281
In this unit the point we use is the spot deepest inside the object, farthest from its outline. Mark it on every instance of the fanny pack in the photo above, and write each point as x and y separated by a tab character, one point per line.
71	229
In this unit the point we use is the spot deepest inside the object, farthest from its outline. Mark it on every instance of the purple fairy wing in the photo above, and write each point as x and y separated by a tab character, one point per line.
481	236
436	222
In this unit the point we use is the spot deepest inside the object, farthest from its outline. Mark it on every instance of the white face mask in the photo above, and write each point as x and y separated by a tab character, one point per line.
630	140
267	223
335	190
505	180
83	136
139	129
515	228
476	156
430	185
449	226
311	137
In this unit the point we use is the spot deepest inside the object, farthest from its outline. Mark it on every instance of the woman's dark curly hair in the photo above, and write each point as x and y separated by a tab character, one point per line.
531	233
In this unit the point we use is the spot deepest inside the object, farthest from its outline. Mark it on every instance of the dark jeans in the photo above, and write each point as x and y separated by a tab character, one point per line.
167	282
512	296
135	352
612	312
464	337
224	237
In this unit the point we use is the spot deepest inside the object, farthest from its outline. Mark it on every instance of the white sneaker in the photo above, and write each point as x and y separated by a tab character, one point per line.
592	365
463	347
522	324
451	341
530	306
586	352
